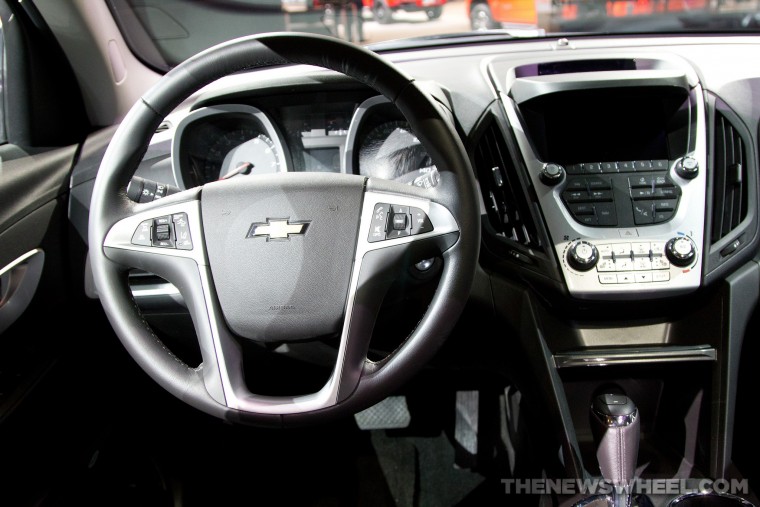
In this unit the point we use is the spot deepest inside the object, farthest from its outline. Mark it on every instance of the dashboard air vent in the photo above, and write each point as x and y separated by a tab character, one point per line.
730	179
506	204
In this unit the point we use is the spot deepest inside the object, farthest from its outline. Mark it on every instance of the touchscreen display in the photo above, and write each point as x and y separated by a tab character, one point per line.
608	125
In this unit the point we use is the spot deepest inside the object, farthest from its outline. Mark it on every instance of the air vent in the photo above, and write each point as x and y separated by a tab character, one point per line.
507	207
163	126
730	179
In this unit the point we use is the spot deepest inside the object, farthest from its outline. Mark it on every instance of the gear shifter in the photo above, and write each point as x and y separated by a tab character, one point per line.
615	425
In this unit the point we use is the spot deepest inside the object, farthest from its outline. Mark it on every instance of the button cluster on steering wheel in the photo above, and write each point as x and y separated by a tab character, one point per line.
391	221
164	232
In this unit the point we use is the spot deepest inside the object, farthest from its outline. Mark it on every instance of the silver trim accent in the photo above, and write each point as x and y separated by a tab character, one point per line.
353	130
120	234
606	357
739	500
154	289
616	421
220	109
277	229
526	88
18	284
689	219
20	260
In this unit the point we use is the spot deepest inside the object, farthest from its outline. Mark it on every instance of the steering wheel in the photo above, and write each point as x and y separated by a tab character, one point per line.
289	256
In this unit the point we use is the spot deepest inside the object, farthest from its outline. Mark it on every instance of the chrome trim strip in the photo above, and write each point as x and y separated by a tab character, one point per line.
154	289
564	230
20	260
221	109
606	357
120	235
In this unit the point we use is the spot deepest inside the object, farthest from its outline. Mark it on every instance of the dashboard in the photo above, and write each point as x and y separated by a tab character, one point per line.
609	168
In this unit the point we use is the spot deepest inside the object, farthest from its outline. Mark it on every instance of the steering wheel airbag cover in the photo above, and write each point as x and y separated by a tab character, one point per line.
306	274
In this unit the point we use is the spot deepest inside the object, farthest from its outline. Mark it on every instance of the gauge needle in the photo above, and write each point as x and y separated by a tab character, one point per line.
243	168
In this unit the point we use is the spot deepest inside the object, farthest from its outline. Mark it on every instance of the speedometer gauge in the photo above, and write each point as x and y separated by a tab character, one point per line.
226	141
259	151
392	151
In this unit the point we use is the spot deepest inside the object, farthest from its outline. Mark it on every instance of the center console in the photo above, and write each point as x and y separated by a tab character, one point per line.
616	151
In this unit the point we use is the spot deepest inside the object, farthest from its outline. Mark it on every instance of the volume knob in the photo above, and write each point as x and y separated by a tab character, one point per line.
681	251
551	174
582	256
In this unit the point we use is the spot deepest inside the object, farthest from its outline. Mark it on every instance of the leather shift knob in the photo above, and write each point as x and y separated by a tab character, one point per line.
615	423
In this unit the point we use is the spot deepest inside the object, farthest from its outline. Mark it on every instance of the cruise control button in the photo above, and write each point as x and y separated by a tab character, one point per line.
162	220
420	222
394	234
378	223
400	221
142	235
182	231
162	232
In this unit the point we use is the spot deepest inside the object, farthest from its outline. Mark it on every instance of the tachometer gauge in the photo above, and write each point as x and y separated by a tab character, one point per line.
391	151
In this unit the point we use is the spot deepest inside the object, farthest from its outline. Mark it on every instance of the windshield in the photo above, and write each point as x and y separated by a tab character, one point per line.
164	32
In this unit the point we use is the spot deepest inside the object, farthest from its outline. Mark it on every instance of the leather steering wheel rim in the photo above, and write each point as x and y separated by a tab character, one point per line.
456	195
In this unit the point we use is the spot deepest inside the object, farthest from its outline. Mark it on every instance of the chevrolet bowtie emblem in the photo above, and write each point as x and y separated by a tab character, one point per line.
277	229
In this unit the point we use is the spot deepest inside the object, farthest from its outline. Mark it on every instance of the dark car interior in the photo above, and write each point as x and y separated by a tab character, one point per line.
433	272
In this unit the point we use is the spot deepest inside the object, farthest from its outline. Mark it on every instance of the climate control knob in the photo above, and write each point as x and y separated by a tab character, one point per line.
551	174
681	251
582	256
